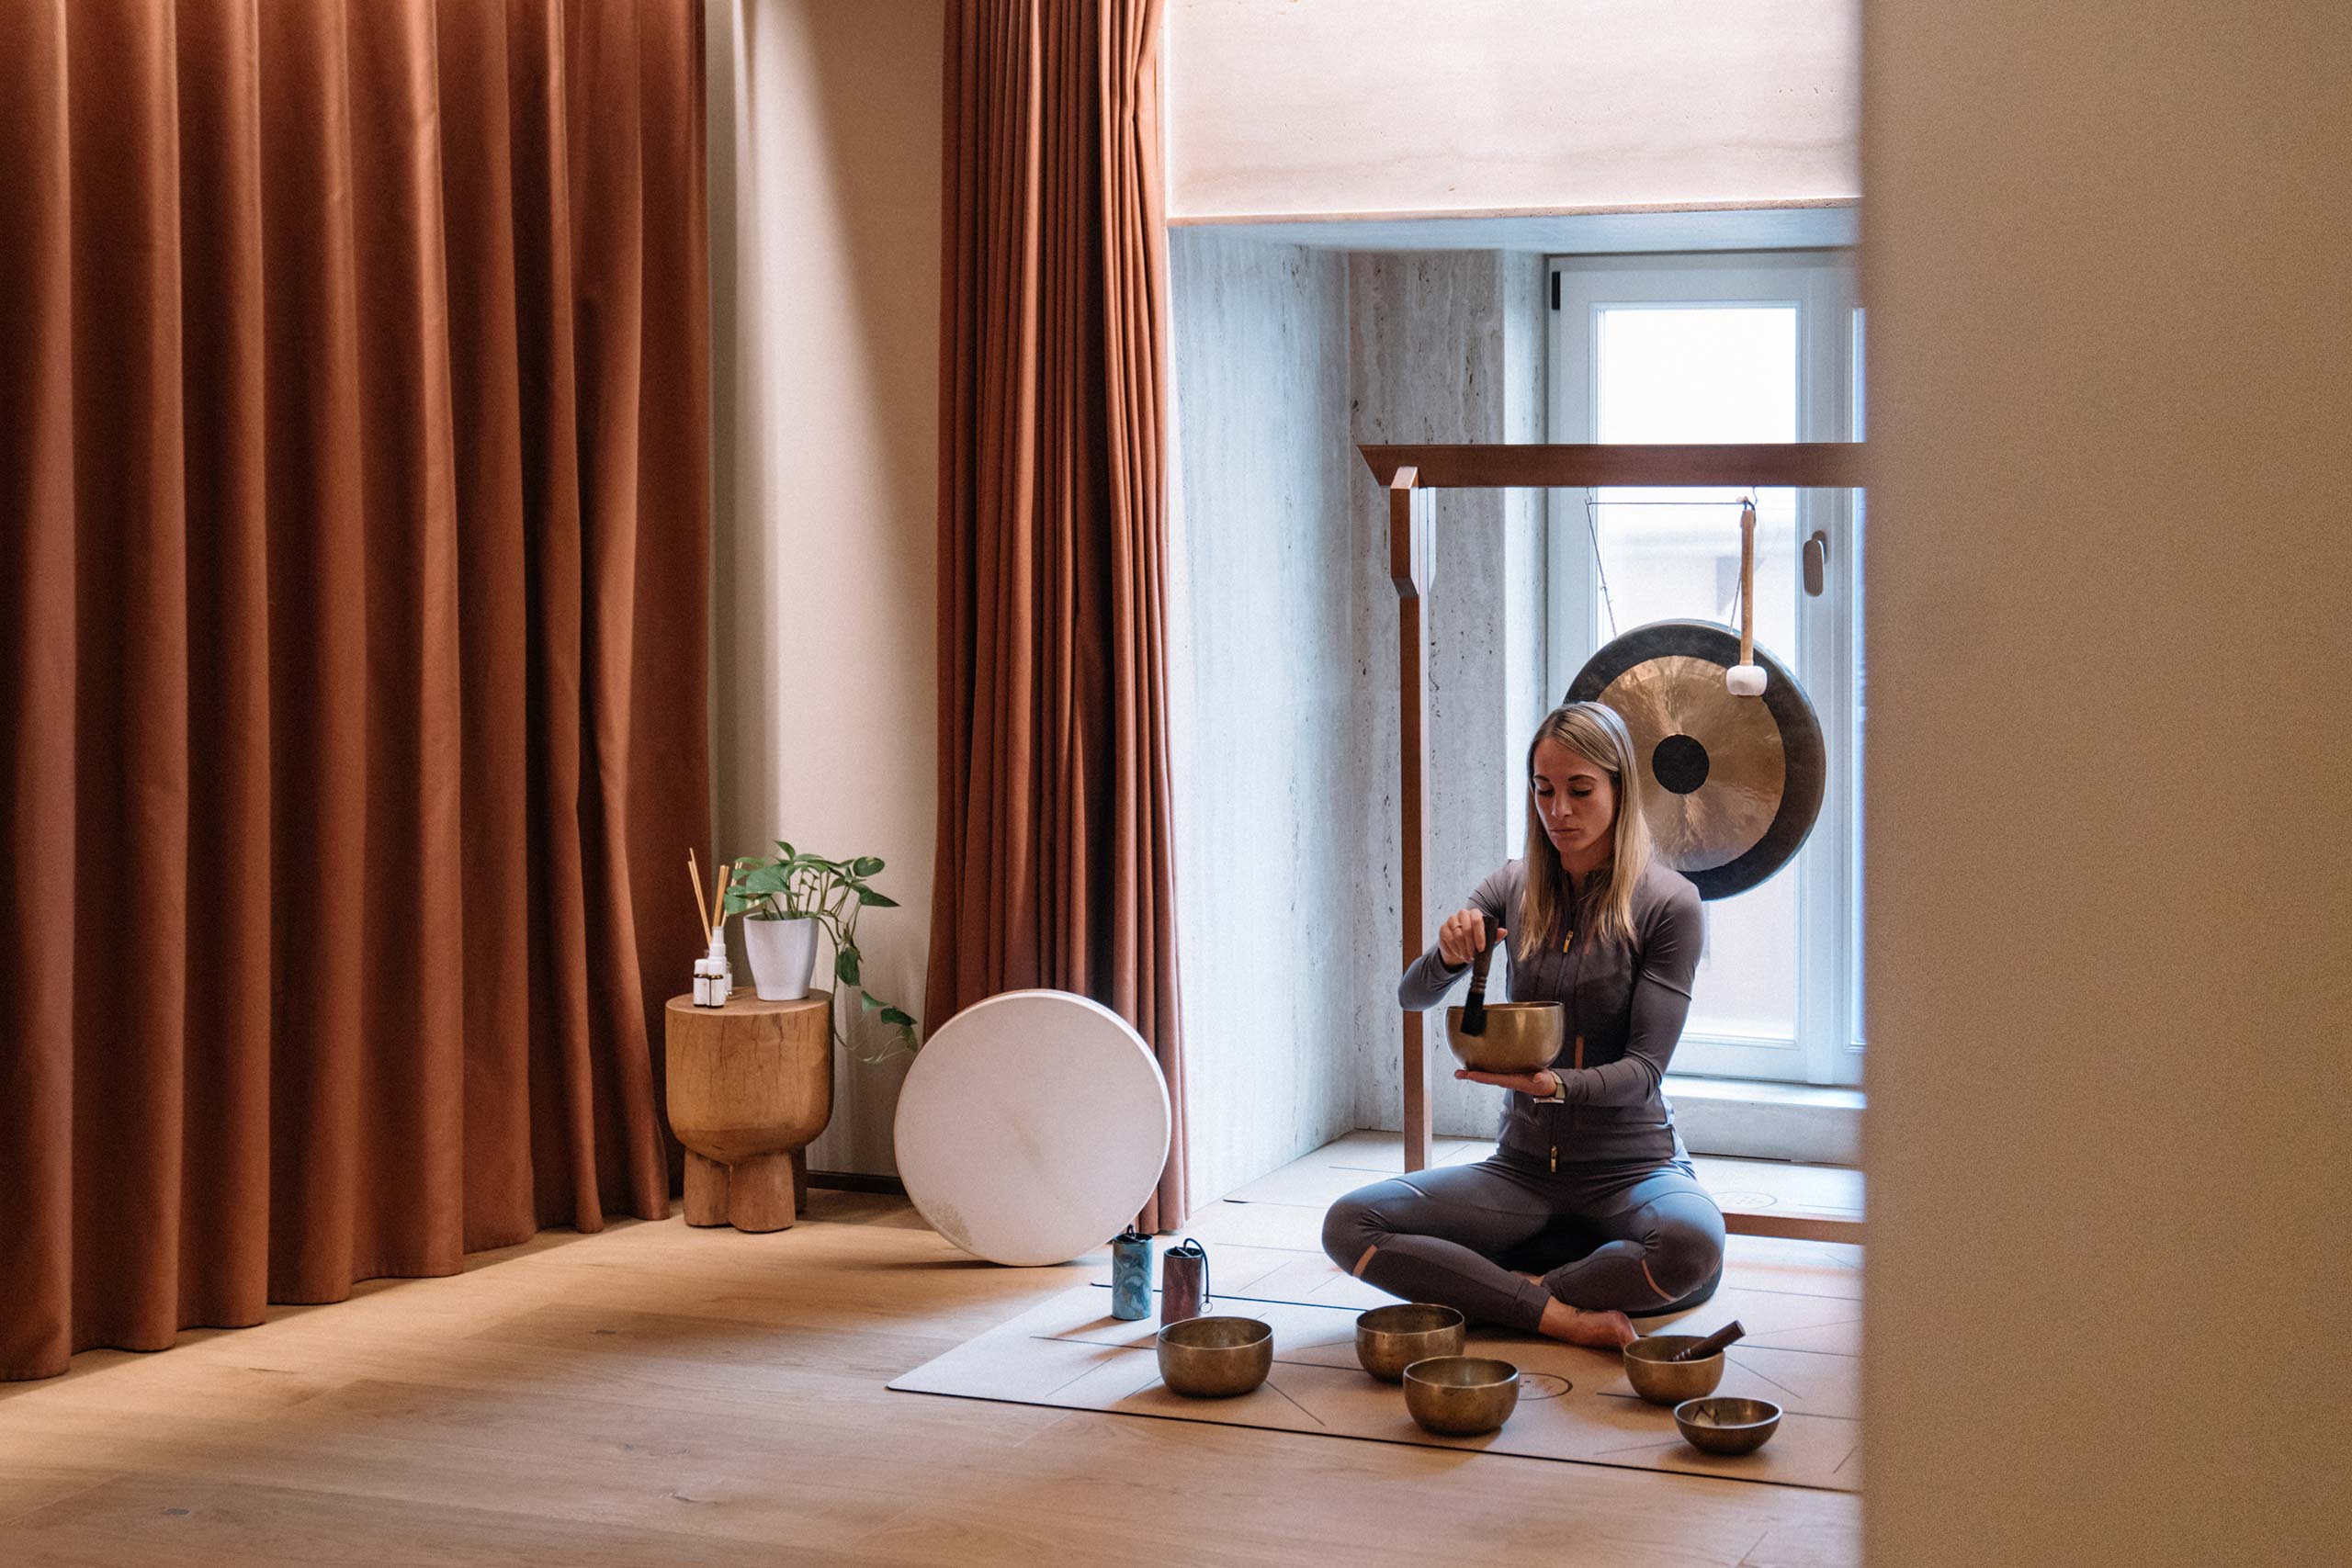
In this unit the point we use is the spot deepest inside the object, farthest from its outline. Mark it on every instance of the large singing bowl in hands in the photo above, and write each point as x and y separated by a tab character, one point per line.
1521	1037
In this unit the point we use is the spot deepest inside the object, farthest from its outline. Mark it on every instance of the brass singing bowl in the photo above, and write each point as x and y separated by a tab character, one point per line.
1664	1381
1521	1037
1390	1338
1214	1358
1728	1426
1460	1396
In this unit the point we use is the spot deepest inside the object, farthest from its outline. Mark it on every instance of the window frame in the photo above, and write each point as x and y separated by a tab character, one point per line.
1827	1046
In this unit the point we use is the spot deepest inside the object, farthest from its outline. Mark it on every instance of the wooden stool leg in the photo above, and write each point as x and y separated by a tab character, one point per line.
758	1193
706	1190
800	1180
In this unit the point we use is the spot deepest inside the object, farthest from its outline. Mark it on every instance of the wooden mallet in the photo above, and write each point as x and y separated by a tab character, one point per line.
1745	679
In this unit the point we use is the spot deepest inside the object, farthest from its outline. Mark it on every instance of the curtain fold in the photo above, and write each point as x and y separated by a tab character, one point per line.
1055	850
352	458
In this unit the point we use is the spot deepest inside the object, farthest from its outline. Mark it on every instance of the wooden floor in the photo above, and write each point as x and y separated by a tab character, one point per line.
658	1394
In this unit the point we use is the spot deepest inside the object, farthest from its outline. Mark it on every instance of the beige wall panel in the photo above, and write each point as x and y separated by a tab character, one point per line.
2110	885
825	193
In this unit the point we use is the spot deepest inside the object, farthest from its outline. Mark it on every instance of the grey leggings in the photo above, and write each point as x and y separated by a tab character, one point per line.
1643	1241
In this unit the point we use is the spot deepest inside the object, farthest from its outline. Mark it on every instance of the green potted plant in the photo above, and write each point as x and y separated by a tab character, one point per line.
785	900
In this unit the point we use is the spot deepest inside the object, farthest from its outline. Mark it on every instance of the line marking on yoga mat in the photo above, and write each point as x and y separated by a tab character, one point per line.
1642	1447
1294	1404
1799	1350
1776	1382
1087	1373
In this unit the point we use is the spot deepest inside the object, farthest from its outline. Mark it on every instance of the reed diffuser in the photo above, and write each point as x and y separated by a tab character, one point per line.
714	976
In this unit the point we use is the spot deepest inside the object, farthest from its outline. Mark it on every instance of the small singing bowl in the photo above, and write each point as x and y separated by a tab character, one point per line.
1215	1358
1460	1396
1520	1037
1390	1338
1664	1381
1728	1426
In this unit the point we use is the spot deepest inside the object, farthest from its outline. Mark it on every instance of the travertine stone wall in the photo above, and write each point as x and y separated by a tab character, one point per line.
1284	664
1443	346
1260	678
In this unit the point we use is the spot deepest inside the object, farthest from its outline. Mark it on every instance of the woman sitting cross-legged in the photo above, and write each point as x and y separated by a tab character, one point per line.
1591	1188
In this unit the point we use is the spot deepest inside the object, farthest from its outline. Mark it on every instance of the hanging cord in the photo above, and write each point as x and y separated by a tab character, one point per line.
1741	606
1592	530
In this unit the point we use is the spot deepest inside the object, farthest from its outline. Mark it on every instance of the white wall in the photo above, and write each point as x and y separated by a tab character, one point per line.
2110	889
1338	106
825	199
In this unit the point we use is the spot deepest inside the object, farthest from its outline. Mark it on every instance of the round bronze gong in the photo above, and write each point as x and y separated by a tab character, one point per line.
1734	782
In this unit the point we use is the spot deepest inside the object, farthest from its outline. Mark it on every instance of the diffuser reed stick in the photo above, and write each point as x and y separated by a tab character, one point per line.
695	871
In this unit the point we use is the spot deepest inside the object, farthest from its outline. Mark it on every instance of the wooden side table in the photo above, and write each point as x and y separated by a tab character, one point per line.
751	1084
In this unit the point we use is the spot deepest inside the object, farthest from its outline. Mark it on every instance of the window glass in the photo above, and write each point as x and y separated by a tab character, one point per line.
1711	373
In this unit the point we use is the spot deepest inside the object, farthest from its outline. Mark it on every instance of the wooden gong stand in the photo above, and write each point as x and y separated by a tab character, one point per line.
1412	476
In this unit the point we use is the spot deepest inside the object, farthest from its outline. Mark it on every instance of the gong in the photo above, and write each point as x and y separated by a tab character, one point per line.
1734	782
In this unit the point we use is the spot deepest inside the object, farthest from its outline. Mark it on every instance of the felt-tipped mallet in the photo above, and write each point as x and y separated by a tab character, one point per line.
1745	679
1713	1344
1474	1011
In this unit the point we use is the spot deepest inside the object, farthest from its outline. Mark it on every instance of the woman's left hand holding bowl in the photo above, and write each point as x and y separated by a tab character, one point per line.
1540	1083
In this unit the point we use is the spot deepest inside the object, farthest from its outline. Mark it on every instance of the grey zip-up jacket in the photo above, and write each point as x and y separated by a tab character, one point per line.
1624	1004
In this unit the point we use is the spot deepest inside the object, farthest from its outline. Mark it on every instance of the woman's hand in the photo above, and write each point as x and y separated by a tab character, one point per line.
1463	933
1542	1083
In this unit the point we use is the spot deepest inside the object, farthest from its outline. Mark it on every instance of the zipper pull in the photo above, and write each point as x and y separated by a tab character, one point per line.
1556	1159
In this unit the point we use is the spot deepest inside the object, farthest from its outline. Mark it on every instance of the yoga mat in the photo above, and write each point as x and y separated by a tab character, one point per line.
1574	1405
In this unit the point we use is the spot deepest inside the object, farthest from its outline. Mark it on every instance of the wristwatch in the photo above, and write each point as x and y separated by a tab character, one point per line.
1559	1095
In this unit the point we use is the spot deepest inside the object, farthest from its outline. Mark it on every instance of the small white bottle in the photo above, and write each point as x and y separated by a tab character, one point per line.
714	976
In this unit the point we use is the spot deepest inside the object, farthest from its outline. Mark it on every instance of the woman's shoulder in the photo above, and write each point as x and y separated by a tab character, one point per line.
1664	892
1501	889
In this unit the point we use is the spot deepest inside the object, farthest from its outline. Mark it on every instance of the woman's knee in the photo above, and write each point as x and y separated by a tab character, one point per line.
1354	1226
1683	1246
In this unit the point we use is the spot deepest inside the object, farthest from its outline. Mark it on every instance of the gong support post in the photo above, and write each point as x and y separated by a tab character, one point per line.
1411	475
1411	555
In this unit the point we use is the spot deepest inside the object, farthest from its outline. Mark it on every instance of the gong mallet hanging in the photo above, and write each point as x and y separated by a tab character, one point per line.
1745	679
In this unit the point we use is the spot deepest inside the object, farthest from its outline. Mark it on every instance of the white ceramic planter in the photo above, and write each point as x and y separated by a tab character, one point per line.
784	957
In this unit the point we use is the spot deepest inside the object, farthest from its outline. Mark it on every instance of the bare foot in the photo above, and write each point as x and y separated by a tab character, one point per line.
1600	1330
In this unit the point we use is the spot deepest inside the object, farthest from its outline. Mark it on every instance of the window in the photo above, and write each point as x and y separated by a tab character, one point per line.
1729	348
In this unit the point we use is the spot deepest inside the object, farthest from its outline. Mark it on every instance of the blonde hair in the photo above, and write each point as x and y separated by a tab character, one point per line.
1598	736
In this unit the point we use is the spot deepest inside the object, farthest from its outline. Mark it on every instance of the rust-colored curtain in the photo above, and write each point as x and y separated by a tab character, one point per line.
353	557
1054	844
